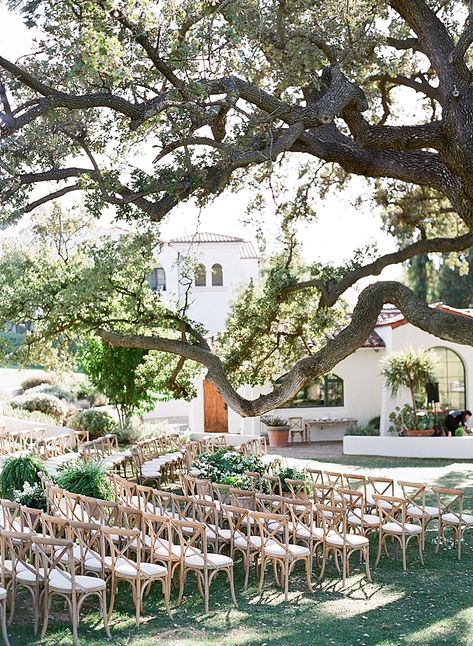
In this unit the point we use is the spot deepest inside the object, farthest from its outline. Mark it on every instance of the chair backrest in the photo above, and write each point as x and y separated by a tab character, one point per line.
296	423
17	547
316	476
255	479
270	504
300	512
243	498
334	478
353	502
322	493
87	539
120	551
333	521
55	555
98	511
381	486
450	501
297	489
158	533
414	494
54	526
273	529
391	509
239	521
355	481
124	491
191	536
182	507
11	516
205	511
273	484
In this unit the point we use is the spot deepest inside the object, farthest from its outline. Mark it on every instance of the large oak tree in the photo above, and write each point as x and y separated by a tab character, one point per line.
227	88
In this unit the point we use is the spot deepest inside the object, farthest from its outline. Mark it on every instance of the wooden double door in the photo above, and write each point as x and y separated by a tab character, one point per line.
215	410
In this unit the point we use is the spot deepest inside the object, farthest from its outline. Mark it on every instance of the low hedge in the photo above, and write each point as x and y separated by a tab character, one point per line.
42	402
97	422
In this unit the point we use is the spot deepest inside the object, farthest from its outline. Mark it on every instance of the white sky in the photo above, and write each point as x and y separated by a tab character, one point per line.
339	229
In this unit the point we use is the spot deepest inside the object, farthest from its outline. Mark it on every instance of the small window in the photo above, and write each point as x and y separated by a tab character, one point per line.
322	392
158	280
217	275
200	278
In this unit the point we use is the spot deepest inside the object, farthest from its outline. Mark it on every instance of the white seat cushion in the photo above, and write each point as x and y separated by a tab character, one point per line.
128	569
417	512
352	540
304	533
213	560
452	519
382	503
395	528
368	519
94	564
62	583
295	551
29	577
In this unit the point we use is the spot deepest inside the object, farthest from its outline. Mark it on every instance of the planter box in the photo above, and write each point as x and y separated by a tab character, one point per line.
426	432
278	435
456	448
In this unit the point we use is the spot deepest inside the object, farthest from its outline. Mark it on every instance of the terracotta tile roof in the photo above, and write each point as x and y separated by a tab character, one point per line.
374	341
202	238
393	317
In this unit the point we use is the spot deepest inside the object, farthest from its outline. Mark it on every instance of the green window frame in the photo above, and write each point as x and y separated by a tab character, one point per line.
324	392
451	377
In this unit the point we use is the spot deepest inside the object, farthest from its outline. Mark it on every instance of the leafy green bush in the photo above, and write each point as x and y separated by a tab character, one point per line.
49	404
31	496
38	380
360	429
57	391
89	393
375	422
460	432
293	474
97	422
17	470
228	467
28	416
87	478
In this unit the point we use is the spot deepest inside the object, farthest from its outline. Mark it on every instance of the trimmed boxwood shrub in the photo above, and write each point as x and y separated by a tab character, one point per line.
57	391
17	470
49	404
38	380
97	422
293	474
87	478
33	416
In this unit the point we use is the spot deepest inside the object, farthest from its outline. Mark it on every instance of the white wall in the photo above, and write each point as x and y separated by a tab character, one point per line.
410	447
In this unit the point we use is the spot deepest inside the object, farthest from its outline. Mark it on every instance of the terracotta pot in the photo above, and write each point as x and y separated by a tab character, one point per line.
278	435
427	432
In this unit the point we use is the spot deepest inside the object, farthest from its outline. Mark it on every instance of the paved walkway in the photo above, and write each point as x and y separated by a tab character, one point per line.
309	450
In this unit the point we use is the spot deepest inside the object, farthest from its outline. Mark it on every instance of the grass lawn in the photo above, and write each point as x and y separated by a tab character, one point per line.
426	605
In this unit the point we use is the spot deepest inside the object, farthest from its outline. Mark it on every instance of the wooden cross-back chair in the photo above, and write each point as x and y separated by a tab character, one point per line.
417	510
198	560
338	541
277	549
451	515
139	575
358	520
297	427
55	562
392	512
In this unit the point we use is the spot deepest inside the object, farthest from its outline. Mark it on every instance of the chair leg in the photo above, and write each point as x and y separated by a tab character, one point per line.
113	591
308	570
232	587
75	619
47	608
206	590
367	564
262	573
459	542
380	547
103	611
286	580
4	623
404	556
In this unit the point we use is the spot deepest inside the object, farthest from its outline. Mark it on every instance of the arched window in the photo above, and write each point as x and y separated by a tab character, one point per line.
217	275
158	280
322	392
450	372
200	278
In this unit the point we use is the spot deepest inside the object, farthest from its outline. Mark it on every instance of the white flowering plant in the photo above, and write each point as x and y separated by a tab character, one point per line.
31	495
228	467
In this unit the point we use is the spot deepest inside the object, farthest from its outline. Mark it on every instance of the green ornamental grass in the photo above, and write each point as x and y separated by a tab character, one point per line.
18	470
87	478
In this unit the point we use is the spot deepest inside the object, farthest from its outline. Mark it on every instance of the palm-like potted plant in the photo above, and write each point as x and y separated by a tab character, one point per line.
278	430
411	369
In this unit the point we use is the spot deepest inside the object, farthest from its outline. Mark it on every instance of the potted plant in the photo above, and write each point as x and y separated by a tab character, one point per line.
278	430
413	370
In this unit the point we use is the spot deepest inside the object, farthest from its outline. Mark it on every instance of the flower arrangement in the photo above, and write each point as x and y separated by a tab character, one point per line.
228	467
31	496
293	474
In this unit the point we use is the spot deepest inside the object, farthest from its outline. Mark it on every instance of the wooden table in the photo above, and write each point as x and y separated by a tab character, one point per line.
326	429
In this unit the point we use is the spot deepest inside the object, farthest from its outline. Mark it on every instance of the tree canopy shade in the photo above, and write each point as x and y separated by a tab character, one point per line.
228	91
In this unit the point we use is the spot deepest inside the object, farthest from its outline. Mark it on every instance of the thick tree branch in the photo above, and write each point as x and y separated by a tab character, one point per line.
445	326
